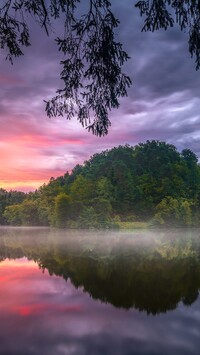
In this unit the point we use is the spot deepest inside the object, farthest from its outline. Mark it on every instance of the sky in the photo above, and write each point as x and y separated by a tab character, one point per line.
162	104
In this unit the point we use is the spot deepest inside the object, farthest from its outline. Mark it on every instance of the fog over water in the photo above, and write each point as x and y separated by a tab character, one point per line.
99	292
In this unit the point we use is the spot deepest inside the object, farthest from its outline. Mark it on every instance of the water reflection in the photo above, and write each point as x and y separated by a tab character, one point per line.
71	311
148	271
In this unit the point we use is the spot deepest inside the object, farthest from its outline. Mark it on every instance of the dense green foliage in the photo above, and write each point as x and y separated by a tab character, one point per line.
8	199
150	182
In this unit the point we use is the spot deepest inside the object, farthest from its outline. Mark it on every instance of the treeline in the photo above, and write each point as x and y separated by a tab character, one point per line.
8	199
150	182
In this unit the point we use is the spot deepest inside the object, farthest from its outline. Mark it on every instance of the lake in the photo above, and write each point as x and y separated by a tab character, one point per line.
99	292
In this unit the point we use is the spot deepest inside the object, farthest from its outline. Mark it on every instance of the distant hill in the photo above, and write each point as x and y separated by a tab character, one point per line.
151	181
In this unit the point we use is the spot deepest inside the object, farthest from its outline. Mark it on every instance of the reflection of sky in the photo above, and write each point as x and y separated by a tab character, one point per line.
163	103
47	315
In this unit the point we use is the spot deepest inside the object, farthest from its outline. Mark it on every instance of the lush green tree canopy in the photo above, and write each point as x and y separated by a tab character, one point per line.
149	182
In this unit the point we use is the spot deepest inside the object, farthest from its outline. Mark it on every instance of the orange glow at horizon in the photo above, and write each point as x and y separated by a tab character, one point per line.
25	186
28	163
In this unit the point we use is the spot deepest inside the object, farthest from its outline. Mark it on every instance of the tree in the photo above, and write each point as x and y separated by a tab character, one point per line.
29	213
87	218
171	211
93	59
62	210
164	13
8	199
12	215
103	210
26	214
82	189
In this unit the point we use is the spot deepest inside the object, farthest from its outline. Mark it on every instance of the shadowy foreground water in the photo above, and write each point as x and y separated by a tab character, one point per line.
92	292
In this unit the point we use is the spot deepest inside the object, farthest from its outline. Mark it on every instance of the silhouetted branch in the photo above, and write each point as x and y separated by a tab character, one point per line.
164	13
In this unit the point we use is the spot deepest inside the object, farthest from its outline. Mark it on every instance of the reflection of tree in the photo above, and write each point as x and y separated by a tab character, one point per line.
153	277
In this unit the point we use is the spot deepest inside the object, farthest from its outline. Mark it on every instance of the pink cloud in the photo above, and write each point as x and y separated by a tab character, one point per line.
10	79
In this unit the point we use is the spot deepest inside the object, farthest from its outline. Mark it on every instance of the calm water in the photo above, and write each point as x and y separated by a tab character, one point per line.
79	293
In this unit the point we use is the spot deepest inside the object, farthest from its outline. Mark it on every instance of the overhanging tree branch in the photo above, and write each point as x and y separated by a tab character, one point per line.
92	76
165	13
92	65
93	81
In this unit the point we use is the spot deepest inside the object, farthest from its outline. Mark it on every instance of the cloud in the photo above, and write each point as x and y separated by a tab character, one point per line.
162	103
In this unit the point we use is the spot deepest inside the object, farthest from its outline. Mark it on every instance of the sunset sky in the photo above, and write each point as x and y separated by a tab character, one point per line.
163	103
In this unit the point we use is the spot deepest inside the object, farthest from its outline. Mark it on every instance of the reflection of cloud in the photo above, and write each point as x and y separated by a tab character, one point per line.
44	309
46	315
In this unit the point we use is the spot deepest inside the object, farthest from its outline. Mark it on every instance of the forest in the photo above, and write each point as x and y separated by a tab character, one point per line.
150	184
